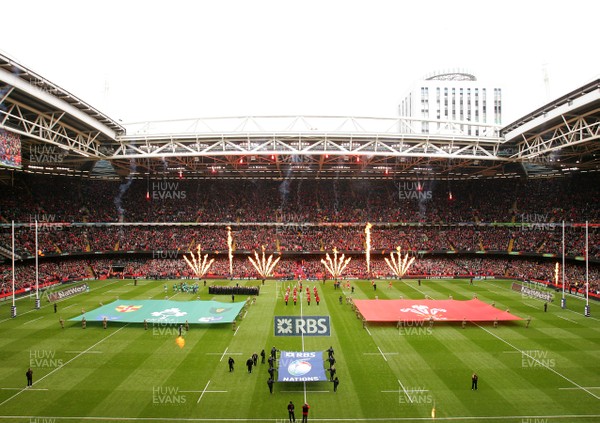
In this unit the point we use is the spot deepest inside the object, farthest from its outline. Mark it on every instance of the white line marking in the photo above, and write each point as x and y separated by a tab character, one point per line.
586	387
223	355
235	333
410	390
382	354
567	319
368	331
210	392
203	392
33	320
84	352
64	364
306	391
405	391
416	289
28	389
535	359
388	353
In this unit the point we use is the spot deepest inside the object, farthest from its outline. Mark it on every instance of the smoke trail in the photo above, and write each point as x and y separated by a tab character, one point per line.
298	205
123	189
230	247
336	199
368	246
425	195
284	188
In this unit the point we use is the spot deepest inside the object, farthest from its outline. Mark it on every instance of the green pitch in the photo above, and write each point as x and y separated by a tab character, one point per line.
549	372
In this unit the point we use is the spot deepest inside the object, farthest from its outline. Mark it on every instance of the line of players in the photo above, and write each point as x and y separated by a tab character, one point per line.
298	289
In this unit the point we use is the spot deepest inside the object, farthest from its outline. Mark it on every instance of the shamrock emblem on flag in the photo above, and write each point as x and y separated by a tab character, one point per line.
169	312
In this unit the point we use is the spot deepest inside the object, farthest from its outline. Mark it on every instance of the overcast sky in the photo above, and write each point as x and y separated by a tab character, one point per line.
148	60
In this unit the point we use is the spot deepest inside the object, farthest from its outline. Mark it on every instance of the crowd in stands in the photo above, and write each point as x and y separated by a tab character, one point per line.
10	148
62	199
294	216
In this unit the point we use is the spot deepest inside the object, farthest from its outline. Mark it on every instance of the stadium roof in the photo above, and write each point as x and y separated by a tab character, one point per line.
558	138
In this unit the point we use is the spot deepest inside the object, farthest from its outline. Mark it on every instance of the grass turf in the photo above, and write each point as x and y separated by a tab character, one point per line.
547	372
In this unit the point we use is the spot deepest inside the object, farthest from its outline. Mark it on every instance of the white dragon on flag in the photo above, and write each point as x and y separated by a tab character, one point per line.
425	311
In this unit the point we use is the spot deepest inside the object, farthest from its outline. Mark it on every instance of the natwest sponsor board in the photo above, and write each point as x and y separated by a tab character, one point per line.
69	292
533	293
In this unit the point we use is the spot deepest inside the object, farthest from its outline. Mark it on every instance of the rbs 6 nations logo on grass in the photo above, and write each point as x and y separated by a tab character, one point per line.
302	326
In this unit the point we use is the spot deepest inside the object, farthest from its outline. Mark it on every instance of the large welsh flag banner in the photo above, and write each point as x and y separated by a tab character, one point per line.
164	311
441	310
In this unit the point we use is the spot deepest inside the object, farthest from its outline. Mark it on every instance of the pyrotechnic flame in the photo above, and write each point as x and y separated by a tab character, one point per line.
230	246
198	265
399	265
368	246
264	267
336	266
556	269
180	341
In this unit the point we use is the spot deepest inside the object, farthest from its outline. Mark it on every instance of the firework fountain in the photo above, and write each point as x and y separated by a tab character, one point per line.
264	266
199	265
399	265
230	247
336	266
556	271
368	246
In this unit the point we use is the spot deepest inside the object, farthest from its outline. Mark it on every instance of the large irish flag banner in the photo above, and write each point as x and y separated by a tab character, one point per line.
417	310
164	311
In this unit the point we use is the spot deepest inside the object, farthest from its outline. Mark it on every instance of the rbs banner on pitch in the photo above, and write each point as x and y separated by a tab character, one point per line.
301	366
302	326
